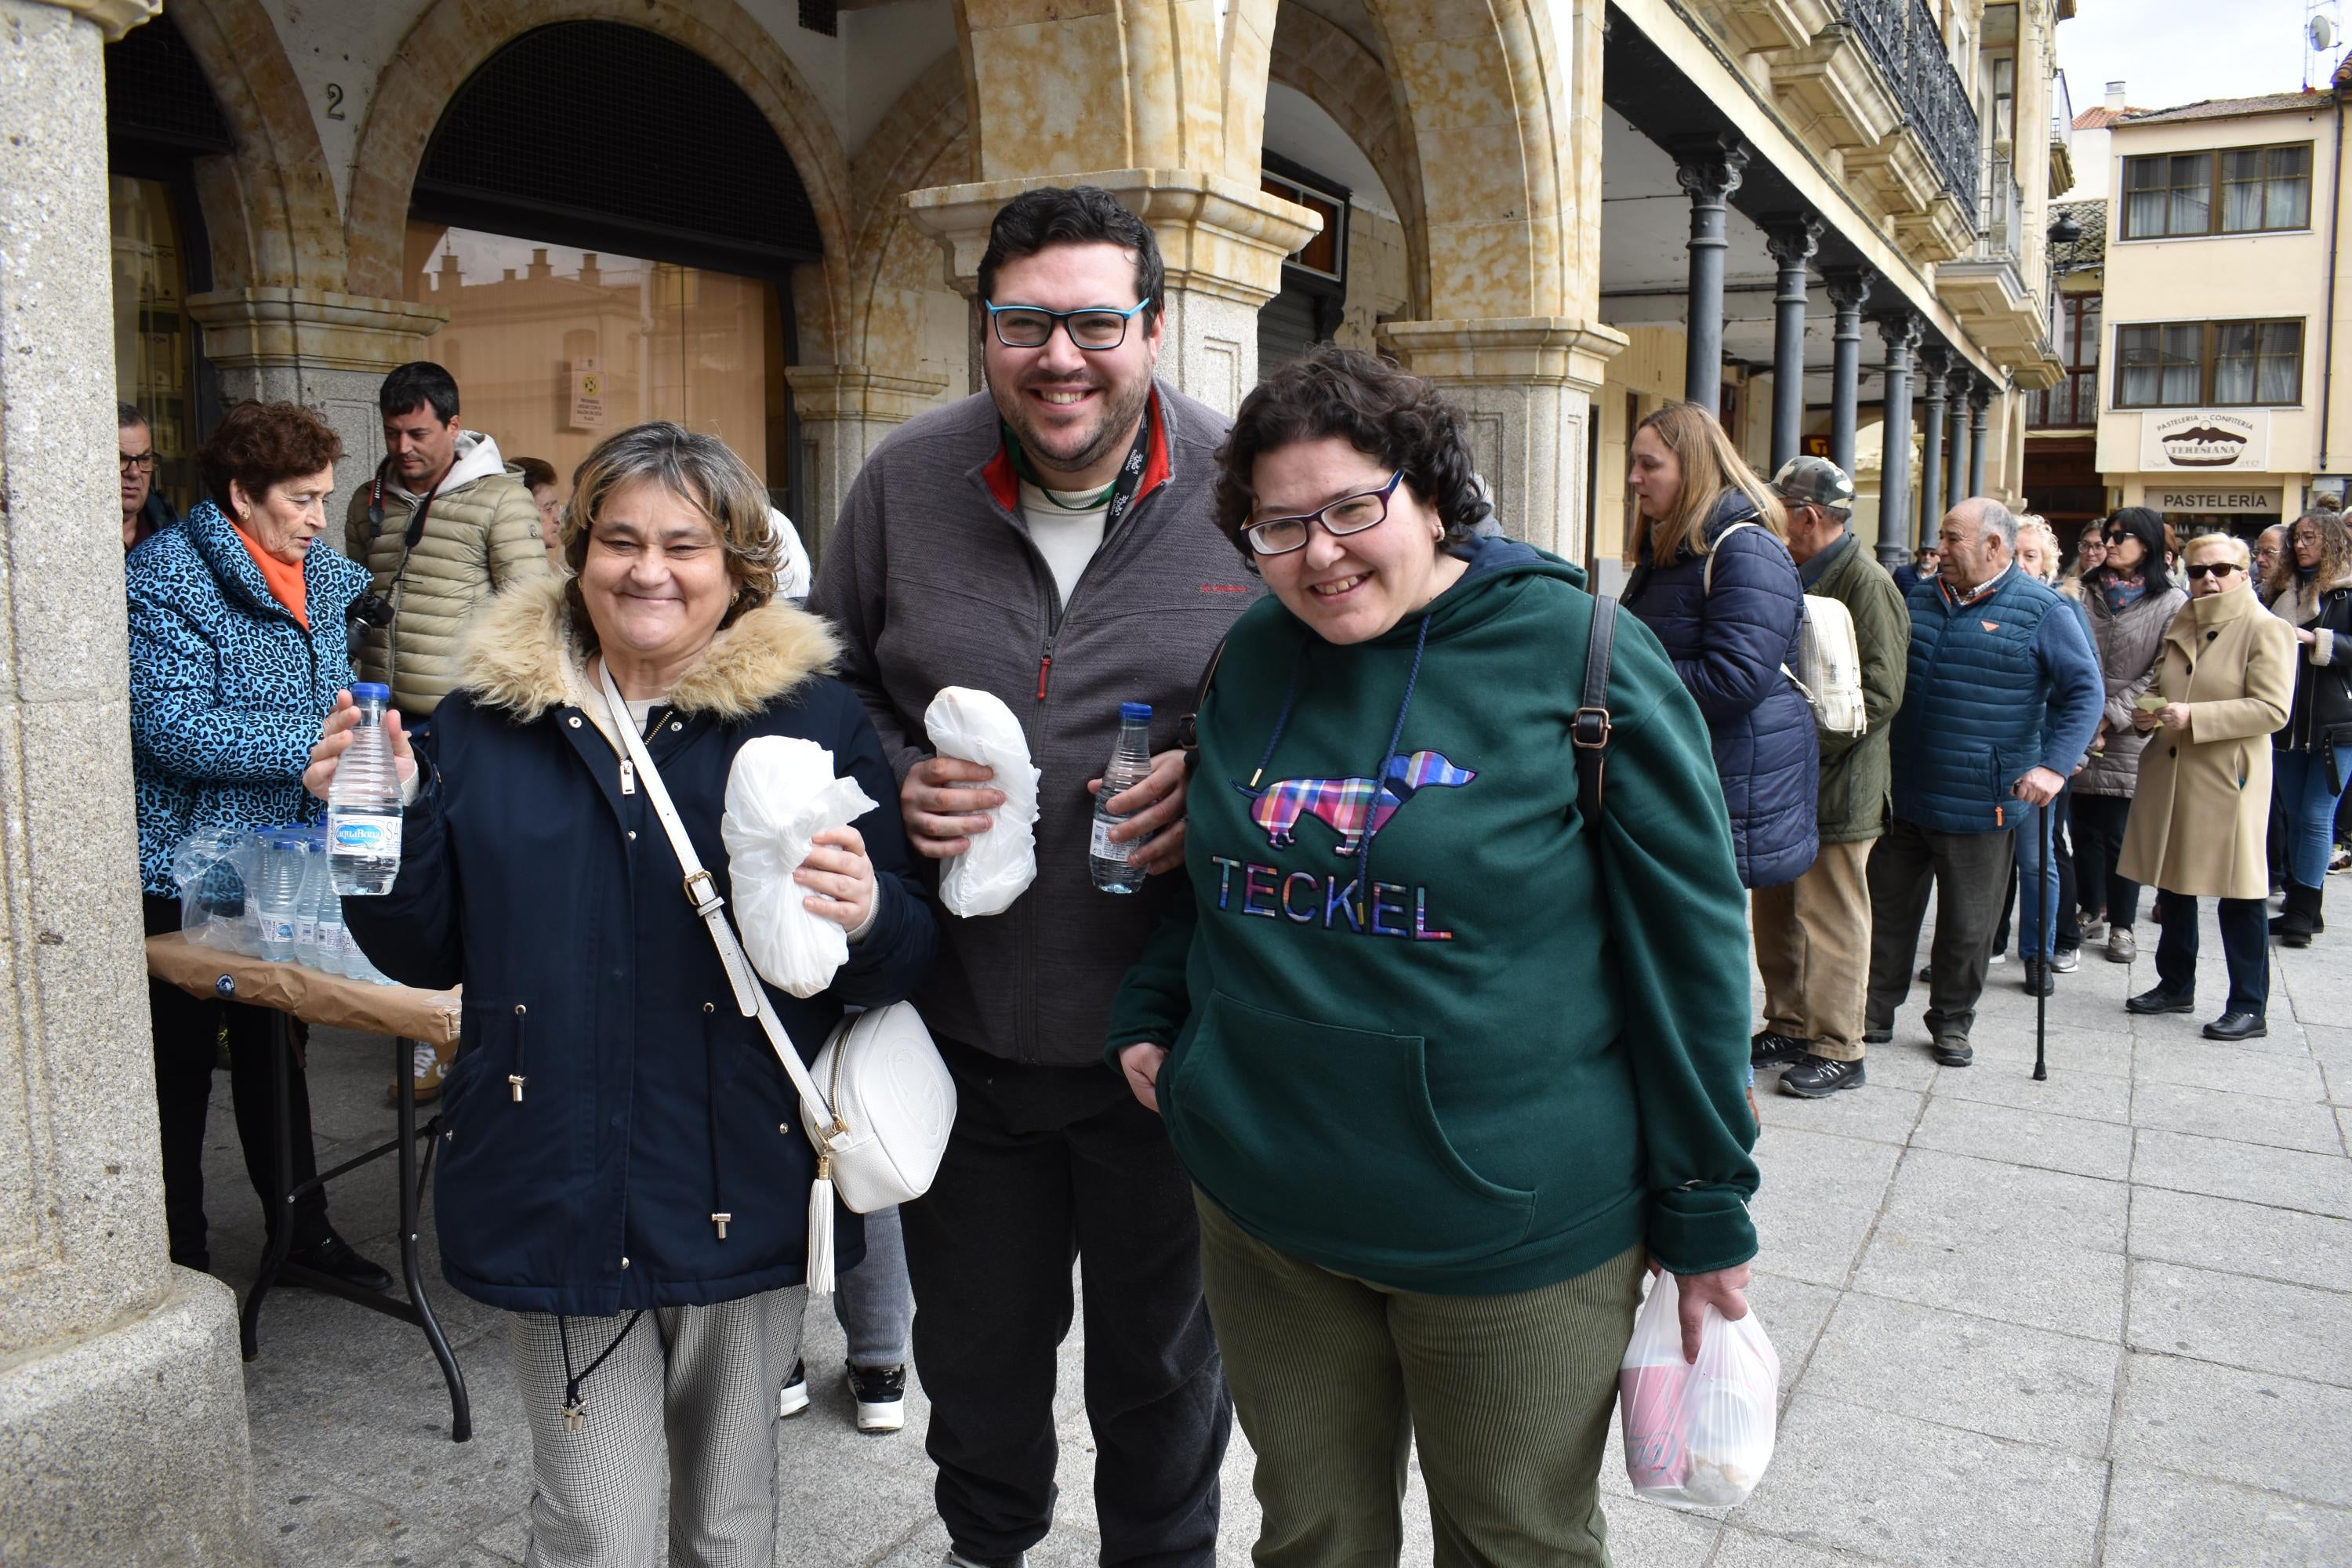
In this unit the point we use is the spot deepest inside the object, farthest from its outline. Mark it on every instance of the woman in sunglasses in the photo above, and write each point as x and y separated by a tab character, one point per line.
2311	590
2201	821
2131	601
1434	1048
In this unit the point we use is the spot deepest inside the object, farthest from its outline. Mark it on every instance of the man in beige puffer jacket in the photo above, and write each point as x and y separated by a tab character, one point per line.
479	533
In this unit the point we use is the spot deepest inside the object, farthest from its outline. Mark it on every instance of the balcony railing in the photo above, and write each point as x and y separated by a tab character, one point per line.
1902	39
2001	215
2061	116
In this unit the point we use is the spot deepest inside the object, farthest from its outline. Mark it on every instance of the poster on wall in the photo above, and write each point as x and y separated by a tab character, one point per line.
587	406
2206	441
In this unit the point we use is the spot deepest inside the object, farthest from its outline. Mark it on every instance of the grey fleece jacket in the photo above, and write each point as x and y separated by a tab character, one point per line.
933	579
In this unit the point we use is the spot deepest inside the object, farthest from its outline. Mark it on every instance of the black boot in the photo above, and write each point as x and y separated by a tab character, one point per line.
2295	925
2037	978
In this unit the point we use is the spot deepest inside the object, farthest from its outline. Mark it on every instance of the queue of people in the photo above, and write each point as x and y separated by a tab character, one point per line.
1261	1103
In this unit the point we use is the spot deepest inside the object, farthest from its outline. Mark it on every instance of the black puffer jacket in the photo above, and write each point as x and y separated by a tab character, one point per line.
2323	666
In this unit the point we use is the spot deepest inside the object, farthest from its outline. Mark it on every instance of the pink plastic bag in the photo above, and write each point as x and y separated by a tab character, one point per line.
1696	1435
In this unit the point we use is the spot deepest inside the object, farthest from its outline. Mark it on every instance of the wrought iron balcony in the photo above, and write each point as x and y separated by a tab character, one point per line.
1902	40
2000	214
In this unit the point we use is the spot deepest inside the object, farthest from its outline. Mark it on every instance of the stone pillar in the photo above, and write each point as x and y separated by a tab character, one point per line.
1221	241
1901	331
1709	171
123	1429
1934	365
1962	379
845	411
1980	416
1849	289
1527	386
1792	243
325	351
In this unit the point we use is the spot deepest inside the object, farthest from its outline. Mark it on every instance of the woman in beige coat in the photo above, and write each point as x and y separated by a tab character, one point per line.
2224	681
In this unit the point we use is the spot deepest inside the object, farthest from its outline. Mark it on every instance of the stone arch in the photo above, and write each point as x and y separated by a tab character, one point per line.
269	207
453	39
1315	57
925	140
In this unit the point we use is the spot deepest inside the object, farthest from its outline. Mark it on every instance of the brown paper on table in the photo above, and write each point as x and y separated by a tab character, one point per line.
332	1000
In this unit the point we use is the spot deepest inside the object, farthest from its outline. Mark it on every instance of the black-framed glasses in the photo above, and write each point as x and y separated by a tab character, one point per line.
143	461
2217	568
1349	514
1093	329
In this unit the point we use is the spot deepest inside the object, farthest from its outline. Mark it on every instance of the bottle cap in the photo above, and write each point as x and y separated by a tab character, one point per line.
365	690
1135	712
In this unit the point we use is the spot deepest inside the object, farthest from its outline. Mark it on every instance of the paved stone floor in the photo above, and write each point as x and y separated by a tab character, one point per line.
2101	1320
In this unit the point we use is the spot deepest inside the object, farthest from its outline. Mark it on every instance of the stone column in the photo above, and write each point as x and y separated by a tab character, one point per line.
123	1429
1849	289
1934	365
325	351
1792	243
1709	171
1958	472
1980	416
1901	331
845	411
1221	241
1527	386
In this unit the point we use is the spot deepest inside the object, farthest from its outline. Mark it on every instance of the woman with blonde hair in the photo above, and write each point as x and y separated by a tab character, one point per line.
1713	578
2311	590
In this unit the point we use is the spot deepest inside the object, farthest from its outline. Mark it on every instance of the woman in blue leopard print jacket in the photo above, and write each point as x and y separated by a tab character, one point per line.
238	646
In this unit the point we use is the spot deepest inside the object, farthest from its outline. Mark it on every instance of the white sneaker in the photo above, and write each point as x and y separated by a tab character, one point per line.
793	1397
1998	959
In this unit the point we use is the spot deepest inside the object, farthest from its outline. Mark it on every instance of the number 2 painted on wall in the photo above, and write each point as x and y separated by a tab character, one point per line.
334	101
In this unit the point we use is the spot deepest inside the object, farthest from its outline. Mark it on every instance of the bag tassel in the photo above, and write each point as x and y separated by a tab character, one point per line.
819	1228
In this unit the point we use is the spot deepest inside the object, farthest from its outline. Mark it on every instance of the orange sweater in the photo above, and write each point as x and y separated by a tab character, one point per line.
285	584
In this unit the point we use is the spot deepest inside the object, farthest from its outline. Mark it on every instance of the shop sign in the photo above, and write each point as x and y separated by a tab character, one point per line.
2206	440
2266	501
587	395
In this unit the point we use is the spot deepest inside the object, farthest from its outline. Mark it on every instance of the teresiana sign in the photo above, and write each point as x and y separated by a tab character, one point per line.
2206	440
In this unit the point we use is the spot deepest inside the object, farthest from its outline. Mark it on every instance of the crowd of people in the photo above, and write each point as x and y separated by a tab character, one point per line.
1364	1119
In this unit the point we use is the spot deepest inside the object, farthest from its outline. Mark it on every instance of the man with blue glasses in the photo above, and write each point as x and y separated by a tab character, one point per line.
1050	541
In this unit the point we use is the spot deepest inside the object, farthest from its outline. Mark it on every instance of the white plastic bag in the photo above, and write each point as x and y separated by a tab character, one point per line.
781	793
1696	1435
977	727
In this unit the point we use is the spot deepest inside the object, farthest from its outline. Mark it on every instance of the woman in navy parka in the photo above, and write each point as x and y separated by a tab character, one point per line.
1731	637
619	1140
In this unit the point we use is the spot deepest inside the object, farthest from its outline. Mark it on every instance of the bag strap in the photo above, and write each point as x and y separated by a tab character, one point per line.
1590	729
1706	578
702	892
1188	726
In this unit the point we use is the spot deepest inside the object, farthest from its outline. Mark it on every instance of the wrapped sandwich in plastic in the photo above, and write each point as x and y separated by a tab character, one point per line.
1697	1435
781	793
977	727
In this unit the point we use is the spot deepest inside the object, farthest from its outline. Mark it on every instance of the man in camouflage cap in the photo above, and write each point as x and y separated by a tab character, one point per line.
1812	935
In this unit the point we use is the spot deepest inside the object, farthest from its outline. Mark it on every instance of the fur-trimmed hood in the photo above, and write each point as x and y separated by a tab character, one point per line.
519	656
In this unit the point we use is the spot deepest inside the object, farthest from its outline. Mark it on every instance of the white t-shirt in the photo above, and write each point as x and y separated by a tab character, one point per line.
1068	539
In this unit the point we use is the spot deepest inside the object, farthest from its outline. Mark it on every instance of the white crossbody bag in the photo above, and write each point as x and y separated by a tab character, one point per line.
881	1128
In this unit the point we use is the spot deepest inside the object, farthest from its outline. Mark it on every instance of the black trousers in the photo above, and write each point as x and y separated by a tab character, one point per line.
2098	842
1047	1165
1969	874
187	1043
2245	946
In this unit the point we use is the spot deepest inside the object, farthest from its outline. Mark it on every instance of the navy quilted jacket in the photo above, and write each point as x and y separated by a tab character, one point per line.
228	690
1728	646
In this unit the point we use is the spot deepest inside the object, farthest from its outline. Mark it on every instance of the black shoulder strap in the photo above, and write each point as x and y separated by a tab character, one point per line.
1188	725
1591	729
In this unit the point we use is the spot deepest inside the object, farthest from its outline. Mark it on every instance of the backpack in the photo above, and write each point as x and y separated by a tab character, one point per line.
1829	655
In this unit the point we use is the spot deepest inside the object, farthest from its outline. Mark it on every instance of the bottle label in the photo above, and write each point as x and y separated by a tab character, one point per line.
1101	848
375	836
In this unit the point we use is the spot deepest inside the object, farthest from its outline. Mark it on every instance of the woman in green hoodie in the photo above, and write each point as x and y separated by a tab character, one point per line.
1445	1064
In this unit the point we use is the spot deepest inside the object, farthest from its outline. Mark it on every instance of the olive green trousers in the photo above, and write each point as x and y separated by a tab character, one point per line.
1509	1398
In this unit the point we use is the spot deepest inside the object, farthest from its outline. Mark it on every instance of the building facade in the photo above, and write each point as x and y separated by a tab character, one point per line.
1825	218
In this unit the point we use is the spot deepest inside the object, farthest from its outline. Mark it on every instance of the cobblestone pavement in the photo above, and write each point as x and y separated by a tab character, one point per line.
2101	1320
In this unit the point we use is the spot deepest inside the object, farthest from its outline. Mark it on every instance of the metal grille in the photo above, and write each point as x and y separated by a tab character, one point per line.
583	122
156	92
1906	45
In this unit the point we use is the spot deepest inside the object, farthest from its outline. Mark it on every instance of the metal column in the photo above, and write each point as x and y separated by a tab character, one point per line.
1792	242
1980	406
1709	169
1934	365
1901	330
1849	289
1957	469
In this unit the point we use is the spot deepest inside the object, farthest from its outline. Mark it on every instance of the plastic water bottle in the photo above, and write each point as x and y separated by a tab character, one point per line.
1130	761
309	844
281	892
333	940
363	803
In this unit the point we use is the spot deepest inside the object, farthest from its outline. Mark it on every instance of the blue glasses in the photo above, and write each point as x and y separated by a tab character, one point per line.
1094	329
1349	514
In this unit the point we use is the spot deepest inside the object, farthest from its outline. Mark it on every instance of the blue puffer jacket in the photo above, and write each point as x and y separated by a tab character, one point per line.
1998	687
1729	647
228	690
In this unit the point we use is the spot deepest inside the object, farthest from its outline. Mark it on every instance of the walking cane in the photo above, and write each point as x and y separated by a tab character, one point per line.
2046	875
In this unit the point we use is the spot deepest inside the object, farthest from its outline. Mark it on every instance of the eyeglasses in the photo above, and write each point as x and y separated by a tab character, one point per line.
1094	329
143	461
2217	568
1349	514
